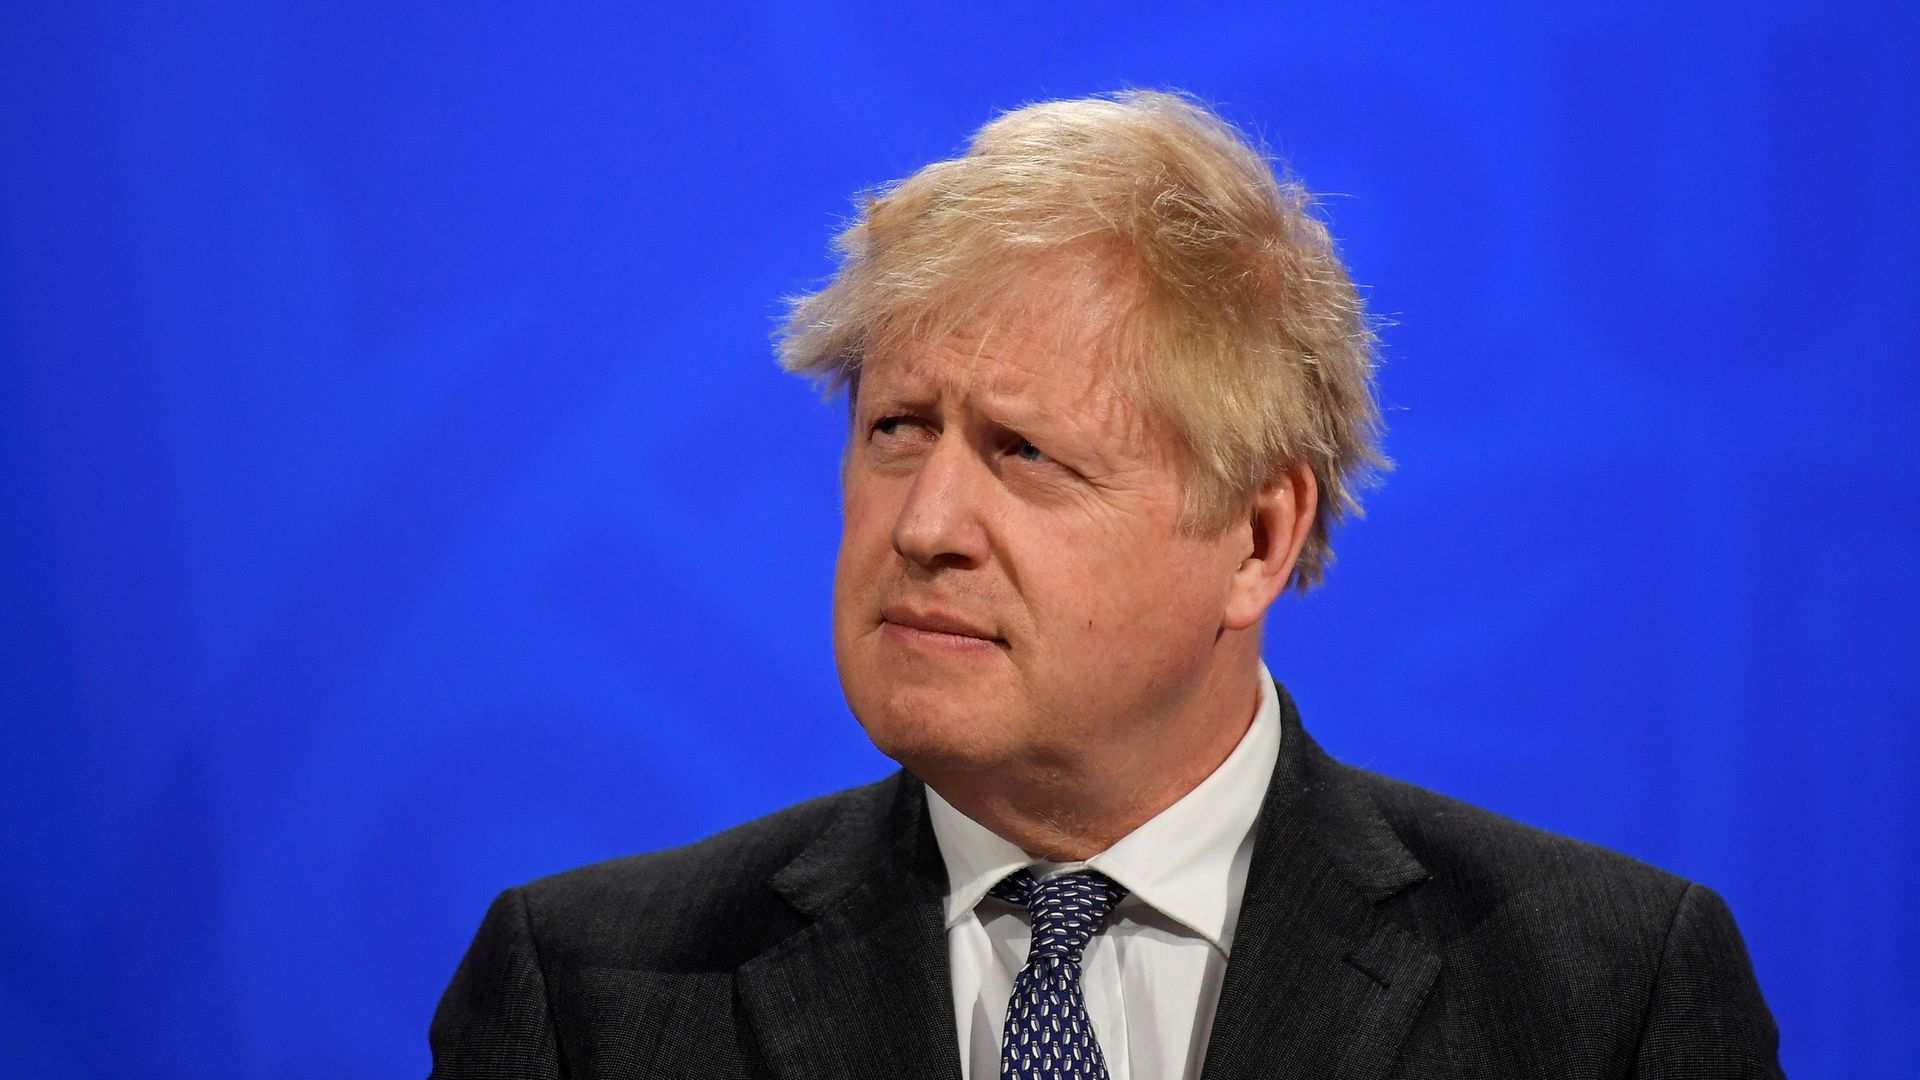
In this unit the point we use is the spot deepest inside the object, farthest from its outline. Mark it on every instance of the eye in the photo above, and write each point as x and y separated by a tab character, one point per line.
1026	451
890	426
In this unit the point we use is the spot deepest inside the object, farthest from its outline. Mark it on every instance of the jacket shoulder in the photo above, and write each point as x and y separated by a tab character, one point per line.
1500	894
1490	861
707	904
1617	961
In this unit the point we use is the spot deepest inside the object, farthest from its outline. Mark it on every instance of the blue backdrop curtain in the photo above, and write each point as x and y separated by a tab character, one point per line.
400	501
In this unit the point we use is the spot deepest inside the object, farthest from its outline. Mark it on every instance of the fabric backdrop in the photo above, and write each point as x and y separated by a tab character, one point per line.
400	501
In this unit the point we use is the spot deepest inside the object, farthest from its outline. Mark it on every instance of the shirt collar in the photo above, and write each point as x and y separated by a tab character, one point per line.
1189	862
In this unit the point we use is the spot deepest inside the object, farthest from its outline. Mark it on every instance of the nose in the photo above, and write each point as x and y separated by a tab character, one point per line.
940	522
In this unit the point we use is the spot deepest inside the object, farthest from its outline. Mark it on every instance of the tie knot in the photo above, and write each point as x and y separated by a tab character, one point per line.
1067	910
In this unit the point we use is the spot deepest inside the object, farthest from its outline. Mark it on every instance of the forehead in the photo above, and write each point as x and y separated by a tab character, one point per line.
1048	350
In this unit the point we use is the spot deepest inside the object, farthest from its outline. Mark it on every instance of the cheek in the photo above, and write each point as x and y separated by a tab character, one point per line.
1143	597
866	530
866	568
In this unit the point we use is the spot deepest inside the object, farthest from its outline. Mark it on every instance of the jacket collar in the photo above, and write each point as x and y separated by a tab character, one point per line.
1323	981
863	992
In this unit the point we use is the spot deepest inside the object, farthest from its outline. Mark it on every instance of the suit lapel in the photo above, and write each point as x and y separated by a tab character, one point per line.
1321	981
863	991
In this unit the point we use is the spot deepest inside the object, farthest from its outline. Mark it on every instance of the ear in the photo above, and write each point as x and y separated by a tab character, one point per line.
1281	516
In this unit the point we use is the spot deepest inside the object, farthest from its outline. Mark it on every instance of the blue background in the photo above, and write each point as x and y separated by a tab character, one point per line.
400	501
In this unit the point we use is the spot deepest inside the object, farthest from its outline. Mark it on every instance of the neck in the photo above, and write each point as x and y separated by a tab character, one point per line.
1071	811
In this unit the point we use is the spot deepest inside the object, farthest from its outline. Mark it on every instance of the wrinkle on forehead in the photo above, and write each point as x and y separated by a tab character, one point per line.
1003	353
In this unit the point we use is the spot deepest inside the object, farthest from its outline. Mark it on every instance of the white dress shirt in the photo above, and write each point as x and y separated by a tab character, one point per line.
1152	977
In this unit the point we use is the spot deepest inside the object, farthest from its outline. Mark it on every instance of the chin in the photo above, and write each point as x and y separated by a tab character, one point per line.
929	732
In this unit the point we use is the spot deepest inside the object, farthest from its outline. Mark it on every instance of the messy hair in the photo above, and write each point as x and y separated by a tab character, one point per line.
1233	318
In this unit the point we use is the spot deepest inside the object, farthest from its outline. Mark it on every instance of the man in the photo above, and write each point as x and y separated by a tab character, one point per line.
1109	388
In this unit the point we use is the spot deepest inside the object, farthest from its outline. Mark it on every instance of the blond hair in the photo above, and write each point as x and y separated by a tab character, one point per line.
1236	322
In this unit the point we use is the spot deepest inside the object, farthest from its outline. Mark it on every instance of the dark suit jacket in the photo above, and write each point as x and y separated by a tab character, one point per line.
1386	932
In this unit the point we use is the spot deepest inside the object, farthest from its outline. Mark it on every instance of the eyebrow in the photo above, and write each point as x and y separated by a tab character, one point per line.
894	399
1015	413
912	392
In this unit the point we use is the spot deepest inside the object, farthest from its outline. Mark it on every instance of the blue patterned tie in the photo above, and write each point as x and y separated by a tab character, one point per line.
1049	1036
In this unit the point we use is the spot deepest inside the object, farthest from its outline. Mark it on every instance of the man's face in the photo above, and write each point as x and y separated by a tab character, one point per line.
1013	588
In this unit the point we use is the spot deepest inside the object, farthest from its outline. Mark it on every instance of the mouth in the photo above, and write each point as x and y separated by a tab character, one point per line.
936	629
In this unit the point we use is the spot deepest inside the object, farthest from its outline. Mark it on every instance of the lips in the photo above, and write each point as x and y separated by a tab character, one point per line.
936	622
